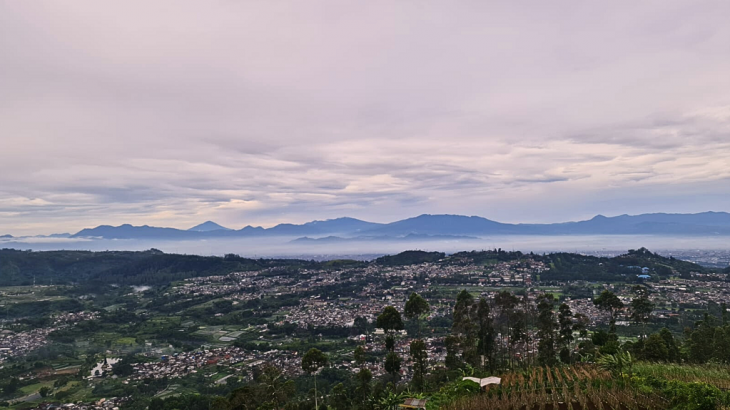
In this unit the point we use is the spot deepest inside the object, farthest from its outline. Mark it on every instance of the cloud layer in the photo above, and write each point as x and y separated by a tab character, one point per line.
174	112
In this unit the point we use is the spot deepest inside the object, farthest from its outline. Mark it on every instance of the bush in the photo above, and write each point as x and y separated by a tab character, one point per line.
693	396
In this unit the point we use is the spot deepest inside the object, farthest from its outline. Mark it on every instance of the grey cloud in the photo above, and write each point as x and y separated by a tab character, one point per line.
261	112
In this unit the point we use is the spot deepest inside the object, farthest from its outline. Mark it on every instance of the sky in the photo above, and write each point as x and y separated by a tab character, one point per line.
171	113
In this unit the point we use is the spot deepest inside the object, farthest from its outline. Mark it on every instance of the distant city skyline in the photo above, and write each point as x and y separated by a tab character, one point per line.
258	113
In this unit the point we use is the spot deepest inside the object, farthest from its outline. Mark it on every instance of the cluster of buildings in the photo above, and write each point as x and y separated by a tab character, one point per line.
13	344
695	292
103	404
183	364
20	343
587	308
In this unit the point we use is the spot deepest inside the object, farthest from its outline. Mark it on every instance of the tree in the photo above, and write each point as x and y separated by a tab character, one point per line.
641	308
485	335
506	302
419	357
362	391
389	320
581	324
609	302
44	391
565	324
464	329
452	361
270	391
389	343
655	348
415	307
361	324
546	329
339	398
617	363
359	355
392	364
518	331
12	386
699	341
312	361
673	354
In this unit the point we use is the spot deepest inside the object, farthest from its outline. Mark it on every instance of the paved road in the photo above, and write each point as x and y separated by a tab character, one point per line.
30	397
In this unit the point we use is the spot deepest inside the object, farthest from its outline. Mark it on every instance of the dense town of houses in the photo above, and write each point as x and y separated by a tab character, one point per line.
183	364
20	343
102	404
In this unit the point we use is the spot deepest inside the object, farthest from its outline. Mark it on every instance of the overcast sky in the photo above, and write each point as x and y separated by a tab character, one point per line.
170	113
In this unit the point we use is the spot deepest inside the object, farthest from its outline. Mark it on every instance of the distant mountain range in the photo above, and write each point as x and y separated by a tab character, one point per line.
434	226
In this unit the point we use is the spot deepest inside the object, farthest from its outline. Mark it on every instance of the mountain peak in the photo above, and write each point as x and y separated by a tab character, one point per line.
208	226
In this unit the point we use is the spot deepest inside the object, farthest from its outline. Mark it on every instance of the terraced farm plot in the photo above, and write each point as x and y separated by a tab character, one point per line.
560	388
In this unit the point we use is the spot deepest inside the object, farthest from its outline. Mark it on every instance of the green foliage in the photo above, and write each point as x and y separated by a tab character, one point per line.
99	269
486	345
415	307
452	392
655	348
392	363
419	357
313	360
693	396
390	320
410	258
463	332
617	364
609	302
546	326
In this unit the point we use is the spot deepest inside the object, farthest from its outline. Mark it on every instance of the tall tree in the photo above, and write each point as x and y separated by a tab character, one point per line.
546	329
339	398
486	346
361	324
609	302
312	361
641	308
390	343
419	357
392	364
506	302
453	361
700	340
362	391
518	330
655	349
464	327
581	324
390	320
415	307
359	355
565	324
673	353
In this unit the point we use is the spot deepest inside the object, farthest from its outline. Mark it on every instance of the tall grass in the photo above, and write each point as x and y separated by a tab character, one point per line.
714	374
